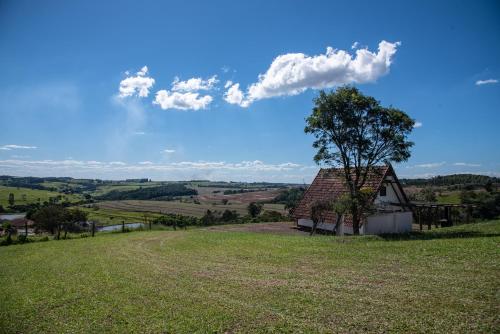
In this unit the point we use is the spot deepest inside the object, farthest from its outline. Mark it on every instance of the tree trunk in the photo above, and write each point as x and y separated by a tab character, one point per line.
313	228
337	224
58	232
355	220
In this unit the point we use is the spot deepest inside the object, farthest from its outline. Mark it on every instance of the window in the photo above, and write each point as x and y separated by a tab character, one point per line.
383	191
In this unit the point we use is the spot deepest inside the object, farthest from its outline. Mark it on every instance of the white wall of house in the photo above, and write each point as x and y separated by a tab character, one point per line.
394	222
393	195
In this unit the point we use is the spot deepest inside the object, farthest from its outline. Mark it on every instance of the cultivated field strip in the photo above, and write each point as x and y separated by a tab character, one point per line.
176	207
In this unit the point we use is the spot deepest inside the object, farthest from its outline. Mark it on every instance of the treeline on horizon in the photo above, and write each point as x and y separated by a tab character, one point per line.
163	192
82	185
452	180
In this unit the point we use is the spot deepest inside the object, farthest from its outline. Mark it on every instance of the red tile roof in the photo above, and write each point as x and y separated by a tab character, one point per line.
330	184
20	222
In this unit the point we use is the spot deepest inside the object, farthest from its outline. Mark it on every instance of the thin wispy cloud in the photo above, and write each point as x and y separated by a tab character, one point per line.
138	85
486	82
11	147
169	151
418	125
466	164
428	165
293	73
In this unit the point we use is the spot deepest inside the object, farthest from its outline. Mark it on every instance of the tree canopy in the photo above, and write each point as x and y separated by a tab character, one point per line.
357	133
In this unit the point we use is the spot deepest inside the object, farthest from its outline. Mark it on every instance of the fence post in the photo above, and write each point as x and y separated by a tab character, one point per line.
123	226
93	228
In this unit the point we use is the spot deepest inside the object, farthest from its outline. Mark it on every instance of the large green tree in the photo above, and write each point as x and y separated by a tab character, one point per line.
357	133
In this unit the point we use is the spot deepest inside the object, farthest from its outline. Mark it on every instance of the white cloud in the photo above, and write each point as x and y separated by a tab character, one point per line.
465	164
225	69
194	84
486	82
418	125
143	71
355	45
293	73
254	170
137	85
16	147
228	83
169	151
431	165
234	95
139	133
182	101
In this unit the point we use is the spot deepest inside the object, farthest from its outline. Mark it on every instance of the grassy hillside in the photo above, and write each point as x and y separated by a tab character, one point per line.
32	195
204	281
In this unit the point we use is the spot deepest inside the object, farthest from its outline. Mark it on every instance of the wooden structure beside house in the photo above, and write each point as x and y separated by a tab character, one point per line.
393	210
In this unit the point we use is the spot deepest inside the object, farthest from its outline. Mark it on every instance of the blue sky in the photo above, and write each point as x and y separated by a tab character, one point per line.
76	98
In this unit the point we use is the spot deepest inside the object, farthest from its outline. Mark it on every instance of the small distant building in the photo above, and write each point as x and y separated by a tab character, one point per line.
20	224
393	214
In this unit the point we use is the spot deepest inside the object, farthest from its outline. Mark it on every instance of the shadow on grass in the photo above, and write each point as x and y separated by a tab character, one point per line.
440	234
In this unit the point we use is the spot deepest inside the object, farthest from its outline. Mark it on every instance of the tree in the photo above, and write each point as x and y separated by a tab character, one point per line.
50	218
319	209
71	218
427	194
11	199
7	227
208	219
254	209
229	215
356	133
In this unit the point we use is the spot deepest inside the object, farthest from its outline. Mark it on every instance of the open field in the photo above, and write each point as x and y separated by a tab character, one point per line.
177	207
205	281
32	195
113	217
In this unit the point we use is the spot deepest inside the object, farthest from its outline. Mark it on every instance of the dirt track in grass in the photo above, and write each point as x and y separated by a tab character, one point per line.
287	228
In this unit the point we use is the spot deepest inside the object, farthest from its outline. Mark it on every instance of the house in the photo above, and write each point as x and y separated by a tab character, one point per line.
20	224
393	214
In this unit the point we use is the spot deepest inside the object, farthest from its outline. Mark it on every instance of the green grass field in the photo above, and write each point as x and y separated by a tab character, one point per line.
451	197
32	195
204	281
113	217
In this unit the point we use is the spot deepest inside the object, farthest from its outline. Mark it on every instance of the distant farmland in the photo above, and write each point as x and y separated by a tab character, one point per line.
177	207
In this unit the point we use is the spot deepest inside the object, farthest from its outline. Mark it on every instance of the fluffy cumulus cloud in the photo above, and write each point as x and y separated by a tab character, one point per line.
11	147
234	95
185	95
194	84
293	73
486	82
254	170
182	101
136	85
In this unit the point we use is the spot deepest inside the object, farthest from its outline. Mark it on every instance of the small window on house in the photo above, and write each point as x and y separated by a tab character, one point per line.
383	191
